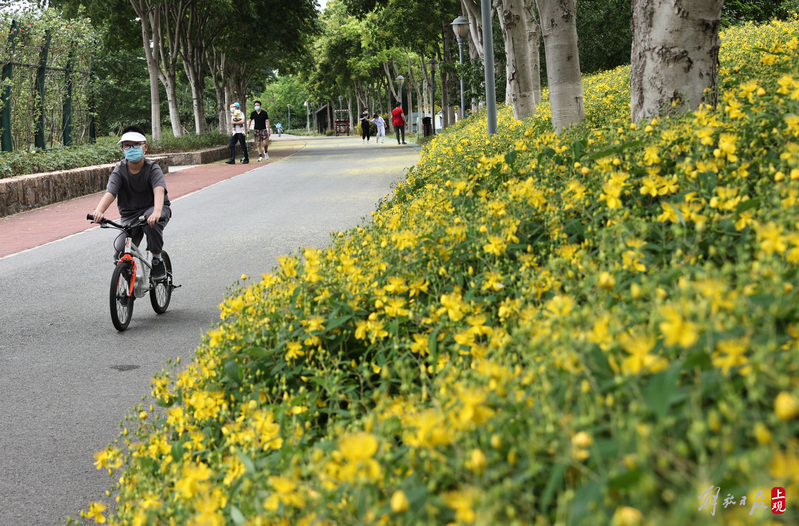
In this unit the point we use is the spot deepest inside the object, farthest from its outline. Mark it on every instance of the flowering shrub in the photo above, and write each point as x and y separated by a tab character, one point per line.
535	329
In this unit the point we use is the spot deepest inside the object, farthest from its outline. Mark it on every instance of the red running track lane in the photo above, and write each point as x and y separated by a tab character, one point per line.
36	227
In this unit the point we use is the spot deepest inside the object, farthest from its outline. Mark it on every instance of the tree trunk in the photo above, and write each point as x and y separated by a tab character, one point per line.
216	64
143	9
521	34
533	42
195	39
674	60
559	28
473	14
173	17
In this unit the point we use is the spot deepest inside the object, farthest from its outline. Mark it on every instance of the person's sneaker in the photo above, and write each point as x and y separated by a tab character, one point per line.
266	156
260	159
159	269
403	142
245	161
230	162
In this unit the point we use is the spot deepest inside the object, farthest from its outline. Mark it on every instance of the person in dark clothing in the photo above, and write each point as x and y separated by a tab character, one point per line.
366	131
139	187
259	124
239	134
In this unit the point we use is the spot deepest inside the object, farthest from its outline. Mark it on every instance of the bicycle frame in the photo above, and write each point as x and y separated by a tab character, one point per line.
138	287
133	254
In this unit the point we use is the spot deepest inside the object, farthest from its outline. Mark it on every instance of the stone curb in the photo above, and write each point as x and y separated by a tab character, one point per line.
26	192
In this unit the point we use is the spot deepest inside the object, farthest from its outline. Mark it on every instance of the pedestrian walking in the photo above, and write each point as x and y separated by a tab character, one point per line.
398	117
366	126
239	134
259	124
381	128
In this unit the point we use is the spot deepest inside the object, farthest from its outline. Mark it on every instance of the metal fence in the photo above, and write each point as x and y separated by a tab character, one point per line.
46	86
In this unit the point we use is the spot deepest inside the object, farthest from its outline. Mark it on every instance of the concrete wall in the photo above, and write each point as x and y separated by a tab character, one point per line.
25	192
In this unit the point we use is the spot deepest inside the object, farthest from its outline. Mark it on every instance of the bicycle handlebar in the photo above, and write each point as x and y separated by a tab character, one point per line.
107	222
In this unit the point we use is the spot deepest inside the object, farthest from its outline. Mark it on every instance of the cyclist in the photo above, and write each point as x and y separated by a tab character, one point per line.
140	189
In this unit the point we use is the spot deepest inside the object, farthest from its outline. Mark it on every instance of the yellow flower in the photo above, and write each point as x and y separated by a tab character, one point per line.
96	510
496	245
107	458
560	305
762	434
733	356
771	238
640	359
627	516
582	439
420	344
294	350
477	462
399	502
358	446
786	406
651	155
678	331
462	502
193	480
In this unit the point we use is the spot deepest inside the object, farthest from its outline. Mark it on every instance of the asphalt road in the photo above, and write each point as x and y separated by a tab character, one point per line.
67	378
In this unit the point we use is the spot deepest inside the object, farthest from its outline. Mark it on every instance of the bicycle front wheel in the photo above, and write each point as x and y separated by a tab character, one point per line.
121	299
161	291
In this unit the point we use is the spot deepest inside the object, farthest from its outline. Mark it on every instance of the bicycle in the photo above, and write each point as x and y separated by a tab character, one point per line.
132	279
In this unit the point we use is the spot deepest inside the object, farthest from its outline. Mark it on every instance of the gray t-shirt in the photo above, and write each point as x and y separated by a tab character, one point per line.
134	192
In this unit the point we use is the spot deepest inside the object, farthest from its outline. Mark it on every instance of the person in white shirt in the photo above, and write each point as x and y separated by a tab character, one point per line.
239	131
381	128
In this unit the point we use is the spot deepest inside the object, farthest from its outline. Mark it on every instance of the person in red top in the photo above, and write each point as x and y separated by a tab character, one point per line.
399	122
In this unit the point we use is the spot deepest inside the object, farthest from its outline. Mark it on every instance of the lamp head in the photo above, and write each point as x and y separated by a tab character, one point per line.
461	27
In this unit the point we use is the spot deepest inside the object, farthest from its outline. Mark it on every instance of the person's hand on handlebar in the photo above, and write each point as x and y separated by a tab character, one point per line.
154	218
98	216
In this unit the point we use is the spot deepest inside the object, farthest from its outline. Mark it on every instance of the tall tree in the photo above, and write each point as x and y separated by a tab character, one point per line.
559	29
150	18
521	34
674	56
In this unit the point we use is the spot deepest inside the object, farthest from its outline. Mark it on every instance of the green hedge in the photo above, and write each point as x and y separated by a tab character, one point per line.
103	152
594	328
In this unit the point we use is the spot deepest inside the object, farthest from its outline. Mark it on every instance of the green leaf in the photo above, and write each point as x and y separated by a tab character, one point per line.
612	151
236	515
232	370
584	497
246	461
338	322
510	157
256	351
625	480
177	451
662	391
743	206
699	359
555	482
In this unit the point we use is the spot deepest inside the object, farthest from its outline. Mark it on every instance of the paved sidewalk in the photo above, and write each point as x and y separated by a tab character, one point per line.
36	227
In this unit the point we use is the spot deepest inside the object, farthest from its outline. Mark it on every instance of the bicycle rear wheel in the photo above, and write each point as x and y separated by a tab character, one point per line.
121	299
161	291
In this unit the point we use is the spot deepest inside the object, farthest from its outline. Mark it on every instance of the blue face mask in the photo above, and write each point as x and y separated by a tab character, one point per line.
257	108
134	155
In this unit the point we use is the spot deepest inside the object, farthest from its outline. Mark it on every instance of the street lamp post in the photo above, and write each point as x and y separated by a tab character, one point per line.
307	118
433	65
488	54
461	27
289	106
